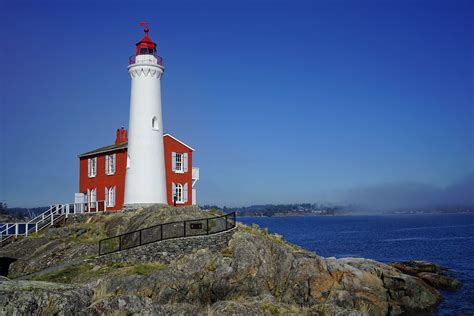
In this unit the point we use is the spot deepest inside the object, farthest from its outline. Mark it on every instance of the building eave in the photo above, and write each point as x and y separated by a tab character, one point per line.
105	149
115	147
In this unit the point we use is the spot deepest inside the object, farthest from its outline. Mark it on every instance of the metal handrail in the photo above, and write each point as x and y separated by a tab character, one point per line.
184	234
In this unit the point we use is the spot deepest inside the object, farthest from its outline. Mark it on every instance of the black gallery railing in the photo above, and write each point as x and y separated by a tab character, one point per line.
187	228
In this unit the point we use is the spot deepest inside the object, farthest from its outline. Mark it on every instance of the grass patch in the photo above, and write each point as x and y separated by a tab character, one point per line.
227	252
147	268
66	275
276	238
93	233
272	309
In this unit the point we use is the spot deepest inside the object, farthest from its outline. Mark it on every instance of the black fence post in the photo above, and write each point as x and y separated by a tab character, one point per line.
184	226
207	226
225	222
161	232
120	243
235	223
140	243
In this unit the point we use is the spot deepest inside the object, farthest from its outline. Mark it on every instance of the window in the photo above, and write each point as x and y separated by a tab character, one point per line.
154	123
110	162
180	162
180	192
92	167
146	51
91	197
110	196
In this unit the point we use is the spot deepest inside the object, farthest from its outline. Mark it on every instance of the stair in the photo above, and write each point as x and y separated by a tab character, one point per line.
10	232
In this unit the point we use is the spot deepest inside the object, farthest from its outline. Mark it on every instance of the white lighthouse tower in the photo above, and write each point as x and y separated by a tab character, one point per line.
145	180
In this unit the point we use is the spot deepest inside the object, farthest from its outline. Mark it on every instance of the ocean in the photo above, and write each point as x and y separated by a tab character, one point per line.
446	239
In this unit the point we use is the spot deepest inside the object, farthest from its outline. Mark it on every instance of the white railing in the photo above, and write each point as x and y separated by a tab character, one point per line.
195	175
49	218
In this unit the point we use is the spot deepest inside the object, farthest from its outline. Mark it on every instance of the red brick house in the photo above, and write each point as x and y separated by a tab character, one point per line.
102	173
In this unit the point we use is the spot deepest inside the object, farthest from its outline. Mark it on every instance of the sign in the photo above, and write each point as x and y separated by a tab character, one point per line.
195	225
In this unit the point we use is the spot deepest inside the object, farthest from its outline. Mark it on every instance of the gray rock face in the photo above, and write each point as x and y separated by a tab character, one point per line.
42	298
433	274
259	269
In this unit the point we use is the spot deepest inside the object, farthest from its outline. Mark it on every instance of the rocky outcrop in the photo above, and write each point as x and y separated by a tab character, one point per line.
250	272
42	298
433	274
80	237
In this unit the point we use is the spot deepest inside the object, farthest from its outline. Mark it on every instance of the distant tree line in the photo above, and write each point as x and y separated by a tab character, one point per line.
282	209
21	212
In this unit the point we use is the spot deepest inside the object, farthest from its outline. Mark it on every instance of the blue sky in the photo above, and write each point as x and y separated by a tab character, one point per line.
284	101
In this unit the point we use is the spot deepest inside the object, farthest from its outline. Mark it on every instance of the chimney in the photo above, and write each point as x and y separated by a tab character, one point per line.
122	136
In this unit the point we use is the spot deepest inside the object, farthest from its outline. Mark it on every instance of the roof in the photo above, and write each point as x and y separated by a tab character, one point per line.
105	149
146	39
124	145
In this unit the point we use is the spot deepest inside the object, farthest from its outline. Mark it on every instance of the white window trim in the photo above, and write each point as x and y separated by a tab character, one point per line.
110	164
181	163
179	198
92	167
110	196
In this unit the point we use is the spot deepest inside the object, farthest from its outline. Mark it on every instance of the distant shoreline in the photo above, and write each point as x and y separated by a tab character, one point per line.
355	214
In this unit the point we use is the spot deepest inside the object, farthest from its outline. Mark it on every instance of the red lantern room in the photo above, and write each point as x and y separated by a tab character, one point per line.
146	46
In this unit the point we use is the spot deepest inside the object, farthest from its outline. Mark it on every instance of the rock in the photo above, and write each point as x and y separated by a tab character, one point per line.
246	271
44	298
259	269
433	274
439	281
415	266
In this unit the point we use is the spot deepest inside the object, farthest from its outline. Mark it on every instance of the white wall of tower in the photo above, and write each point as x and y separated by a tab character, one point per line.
145	181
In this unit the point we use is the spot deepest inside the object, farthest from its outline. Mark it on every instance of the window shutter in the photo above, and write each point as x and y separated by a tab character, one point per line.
173	163
113	163
185	158
88	197
113	196
107	197
95	166
107	164
89	167
185	194
173	190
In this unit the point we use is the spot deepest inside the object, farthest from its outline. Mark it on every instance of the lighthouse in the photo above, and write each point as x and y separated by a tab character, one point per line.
145	181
